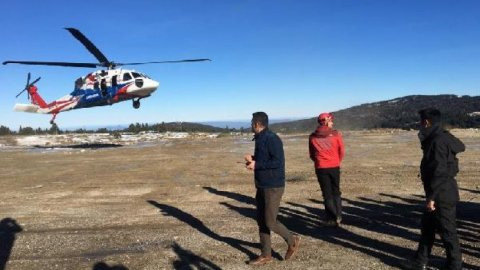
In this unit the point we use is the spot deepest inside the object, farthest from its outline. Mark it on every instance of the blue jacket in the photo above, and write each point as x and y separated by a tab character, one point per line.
269	160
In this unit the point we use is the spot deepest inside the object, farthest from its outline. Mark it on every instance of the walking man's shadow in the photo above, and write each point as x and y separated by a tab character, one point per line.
187	260
241	245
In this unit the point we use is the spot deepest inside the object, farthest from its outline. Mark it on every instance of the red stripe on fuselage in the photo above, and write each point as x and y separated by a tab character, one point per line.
57	102
64	104
122	92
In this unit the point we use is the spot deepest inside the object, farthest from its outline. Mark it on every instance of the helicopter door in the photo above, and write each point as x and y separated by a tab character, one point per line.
114	80
103	87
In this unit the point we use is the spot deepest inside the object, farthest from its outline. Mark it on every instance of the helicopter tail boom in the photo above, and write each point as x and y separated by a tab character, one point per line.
31	108
36	98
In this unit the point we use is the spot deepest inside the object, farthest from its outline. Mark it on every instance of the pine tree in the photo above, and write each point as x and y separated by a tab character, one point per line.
54	130
5	130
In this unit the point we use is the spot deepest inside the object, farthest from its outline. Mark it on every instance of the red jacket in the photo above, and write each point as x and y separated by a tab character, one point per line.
326	147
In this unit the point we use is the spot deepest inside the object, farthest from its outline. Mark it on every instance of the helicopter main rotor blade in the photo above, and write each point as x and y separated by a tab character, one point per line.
162	62
89	45
63	64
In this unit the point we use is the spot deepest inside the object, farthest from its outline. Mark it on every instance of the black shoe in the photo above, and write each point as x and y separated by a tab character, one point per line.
412	265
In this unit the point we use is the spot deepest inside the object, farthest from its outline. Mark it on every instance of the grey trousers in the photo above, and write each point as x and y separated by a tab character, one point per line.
268	203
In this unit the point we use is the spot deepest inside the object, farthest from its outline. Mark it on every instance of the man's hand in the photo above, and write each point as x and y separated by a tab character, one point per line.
251	165
249	162
430	206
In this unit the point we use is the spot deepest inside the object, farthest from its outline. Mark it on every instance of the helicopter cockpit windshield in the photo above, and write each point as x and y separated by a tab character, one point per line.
136	75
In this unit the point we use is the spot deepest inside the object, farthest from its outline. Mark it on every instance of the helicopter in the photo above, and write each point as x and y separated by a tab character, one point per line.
106	86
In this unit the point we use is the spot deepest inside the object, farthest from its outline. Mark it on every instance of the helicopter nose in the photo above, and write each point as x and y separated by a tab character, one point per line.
143	87
150	85
154	85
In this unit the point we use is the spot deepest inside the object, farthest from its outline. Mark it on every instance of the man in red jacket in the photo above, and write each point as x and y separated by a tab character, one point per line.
327	151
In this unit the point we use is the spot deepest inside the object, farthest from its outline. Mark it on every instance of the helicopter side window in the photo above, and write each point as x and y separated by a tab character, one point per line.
126	77
96	85
114	80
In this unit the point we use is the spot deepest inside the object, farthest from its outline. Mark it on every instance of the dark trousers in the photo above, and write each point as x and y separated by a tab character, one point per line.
329	180
442	219
268	203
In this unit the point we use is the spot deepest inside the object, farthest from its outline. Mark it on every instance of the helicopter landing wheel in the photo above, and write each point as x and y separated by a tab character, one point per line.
52	121
136	104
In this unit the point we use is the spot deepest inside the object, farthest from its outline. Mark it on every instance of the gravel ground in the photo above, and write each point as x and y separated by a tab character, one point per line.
186	203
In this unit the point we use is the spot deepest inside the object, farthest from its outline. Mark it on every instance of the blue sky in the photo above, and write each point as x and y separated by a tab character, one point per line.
289	58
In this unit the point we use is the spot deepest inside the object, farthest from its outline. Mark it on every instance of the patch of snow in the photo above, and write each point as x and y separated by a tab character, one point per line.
33	140
176	135
394	101
126	139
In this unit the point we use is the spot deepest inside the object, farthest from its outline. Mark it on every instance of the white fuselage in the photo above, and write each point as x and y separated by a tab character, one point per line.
142	85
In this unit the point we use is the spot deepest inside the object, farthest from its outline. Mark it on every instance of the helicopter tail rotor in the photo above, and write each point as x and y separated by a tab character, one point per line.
28	85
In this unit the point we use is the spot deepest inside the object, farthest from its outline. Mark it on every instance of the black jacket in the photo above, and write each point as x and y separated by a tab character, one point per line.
439	164
269	160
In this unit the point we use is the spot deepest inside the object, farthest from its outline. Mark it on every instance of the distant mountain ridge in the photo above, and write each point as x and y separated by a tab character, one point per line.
457	111
238	124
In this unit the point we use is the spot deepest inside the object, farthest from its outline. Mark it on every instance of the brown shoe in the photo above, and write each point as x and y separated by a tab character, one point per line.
292	248
261	260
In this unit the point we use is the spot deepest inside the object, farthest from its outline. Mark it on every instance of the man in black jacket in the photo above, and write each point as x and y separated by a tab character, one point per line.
438	168
268	164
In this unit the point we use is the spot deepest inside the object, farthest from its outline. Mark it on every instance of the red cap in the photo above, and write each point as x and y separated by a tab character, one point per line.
324	118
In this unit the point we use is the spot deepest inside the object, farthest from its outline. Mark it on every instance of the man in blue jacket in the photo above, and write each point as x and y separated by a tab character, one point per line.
268	164
438	168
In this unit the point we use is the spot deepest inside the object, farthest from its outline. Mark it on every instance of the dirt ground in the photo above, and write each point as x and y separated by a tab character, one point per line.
188	204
